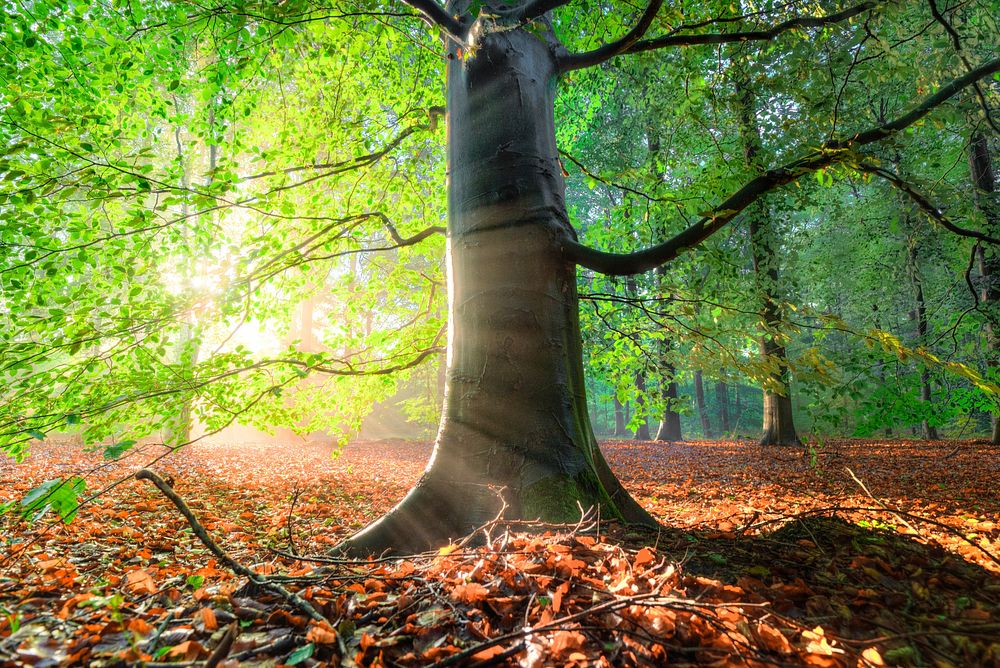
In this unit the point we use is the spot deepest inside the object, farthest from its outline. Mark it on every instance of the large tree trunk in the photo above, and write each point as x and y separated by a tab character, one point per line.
722	397
778	427
984	193
515	415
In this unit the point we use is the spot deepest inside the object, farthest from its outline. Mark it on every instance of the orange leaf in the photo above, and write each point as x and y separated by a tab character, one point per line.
871	657
207	617
141	582
488	653
189	650
470	593
772	639
321	636
557	596
140	627
644	556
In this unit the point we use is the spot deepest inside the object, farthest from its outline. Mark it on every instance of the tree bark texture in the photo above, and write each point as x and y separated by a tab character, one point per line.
778	426
515	421
670	426
928	430
641	431
985	199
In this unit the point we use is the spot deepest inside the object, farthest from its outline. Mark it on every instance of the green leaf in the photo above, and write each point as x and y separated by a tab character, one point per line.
301	654
174	84
34	433
60	495
116	450
195	581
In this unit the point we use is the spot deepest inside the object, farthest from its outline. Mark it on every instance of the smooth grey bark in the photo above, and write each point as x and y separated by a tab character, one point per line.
778	427
515	417
988	257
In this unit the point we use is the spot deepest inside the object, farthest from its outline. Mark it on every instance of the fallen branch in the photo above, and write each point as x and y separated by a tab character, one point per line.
233	565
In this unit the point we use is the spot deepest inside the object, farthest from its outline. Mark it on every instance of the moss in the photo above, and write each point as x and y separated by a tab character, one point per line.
554	500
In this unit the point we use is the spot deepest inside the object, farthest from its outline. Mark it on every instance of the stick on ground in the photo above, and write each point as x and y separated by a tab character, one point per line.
233	565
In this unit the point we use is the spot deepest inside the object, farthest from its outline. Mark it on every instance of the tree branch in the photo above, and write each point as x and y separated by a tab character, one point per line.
438	16
840	150
924	204
750	35
957	44
576	61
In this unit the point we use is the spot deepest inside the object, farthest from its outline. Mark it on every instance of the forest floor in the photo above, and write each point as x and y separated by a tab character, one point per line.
856	553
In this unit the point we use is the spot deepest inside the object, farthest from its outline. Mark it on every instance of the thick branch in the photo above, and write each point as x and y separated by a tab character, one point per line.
623	264
439	16
751	35
597	56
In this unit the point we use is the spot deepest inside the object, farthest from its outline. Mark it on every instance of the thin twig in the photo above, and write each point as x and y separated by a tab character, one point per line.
879	501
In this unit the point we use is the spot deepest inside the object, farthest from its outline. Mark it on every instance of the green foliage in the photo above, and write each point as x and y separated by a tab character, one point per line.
60	495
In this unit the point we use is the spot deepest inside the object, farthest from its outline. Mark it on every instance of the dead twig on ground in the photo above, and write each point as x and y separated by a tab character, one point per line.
291	597
880	502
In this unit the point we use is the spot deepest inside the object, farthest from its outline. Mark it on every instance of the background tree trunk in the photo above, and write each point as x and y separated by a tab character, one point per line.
619	420
985	199
778	426
641	431
670	425
920	315
722	397
699	398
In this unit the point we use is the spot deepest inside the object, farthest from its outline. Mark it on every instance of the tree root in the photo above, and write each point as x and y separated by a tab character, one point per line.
291	597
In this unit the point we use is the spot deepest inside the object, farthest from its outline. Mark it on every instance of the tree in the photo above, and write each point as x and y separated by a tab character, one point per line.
514	434
513	258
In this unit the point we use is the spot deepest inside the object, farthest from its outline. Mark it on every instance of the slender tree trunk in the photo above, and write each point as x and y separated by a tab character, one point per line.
881	367
699	398
778	427
670	425
920	314
619	420
188	346
985	198
515	415
738	404
722	397
642	431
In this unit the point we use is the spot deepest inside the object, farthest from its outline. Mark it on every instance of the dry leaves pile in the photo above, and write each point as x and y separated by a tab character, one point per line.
756	569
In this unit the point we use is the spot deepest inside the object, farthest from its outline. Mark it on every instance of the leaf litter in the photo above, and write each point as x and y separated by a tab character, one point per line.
858	553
